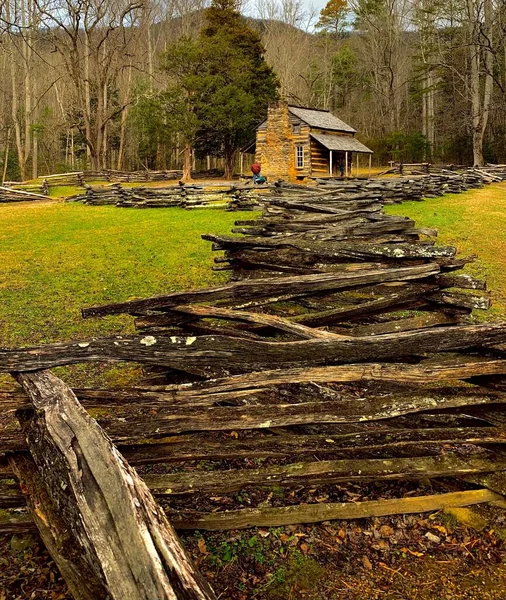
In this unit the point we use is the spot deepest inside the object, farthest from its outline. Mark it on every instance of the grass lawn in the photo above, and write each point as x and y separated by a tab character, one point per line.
56	258
474	222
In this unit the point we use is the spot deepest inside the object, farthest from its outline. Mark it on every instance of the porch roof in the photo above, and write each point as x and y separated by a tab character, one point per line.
342	143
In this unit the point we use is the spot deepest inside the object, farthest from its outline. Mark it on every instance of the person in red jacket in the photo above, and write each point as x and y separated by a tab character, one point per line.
255	169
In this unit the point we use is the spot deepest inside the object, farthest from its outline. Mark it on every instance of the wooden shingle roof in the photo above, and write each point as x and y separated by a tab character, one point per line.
343	143
321	119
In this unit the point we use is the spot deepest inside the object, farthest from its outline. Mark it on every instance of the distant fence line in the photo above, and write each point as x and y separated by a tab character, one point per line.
414	186
80	178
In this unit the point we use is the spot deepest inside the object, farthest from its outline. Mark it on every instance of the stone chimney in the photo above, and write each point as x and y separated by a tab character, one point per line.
275	149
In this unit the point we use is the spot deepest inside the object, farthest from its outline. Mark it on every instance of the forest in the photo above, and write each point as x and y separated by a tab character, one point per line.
158	84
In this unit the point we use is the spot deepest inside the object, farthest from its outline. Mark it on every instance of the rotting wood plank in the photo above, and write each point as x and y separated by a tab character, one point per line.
473	368
271	287
194	410
429	319
258	318
461	300
457	367
346	445
293	515
302	473
389	441
342	250
461	281
318	473
410	293
187	352
181	419
12	523
316	513
92	509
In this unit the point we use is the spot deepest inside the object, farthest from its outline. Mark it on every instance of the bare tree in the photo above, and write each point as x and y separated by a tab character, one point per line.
480	16
95	39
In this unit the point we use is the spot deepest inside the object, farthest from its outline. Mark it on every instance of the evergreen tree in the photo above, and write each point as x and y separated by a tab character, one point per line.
184	100
332	17
223	85
238	82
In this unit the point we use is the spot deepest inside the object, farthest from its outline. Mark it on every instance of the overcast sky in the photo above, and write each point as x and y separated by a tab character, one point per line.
274	8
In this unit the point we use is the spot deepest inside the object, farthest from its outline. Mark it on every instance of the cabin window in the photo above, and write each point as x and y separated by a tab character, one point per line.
296	129
299	157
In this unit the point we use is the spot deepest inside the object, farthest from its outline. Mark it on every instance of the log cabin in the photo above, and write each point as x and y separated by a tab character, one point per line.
295	142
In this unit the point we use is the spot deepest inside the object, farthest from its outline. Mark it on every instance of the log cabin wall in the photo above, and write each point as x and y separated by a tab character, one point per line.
319	159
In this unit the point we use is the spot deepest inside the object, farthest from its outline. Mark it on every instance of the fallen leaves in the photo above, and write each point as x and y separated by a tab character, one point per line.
202	546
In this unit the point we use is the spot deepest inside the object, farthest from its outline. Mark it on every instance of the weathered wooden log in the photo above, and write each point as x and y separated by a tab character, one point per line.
105	532
407	295
200	408
12	523
249	355
180	419
351	228
457	367
429	319
319	473
325	406
272	321
495	482
10	495
272	287
461	281
461	300
388	442
336	250
288	475
284	259
316	513
335	208
384	442
298	514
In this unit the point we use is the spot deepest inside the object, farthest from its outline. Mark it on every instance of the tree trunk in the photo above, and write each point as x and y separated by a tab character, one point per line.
124	117
6	156
35	156
229	164
481	76
187	165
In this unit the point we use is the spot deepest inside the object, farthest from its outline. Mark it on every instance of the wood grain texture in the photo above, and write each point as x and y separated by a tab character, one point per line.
107	518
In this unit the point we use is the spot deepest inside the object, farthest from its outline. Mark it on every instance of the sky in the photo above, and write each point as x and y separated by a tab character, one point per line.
276	8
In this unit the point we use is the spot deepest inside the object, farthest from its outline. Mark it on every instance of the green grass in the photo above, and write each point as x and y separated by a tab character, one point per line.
56	258
474	222
64	191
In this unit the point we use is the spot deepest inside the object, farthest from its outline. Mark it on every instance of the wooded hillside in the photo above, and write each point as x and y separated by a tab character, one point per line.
85	86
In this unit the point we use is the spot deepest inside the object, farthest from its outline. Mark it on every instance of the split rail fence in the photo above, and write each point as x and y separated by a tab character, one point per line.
242	195
340	353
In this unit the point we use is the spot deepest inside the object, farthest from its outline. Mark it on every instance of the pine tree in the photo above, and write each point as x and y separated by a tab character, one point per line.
183	101
222	85
332	17
238	82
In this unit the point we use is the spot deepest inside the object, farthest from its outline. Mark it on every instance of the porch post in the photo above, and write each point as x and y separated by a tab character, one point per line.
346	163
242	163
330	163
370	164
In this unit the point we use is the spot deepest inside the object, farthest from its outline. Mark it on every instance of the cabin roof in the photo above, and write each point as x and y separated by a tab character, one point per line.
343	143
322	119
